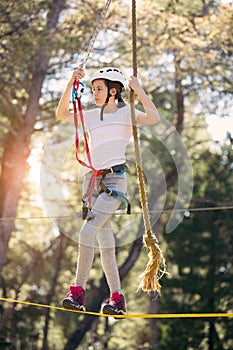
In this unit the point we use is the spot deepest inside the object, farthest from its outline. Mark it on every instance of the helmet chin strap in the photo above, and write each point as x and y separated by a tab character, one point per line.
102	112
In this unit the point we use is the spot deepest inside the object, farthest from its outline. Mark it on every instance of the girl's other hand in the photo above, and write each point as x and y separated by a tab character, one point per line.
134	84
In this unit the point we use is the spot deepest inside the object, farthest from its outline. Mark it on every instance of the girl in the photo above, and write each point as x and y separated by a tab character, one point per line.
109	128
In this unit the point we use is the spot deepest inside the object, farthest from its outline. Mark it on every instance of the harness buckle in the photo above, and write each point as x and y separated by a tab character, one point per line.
108	191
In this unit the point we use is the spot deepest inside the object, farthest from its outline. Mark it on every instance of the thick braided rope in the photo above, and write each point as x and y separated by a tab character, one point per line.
96	32
156	265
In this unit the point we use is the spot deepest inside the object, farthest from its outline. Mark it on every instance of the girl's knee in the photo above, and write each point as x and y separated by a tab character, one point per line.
87	235
107	253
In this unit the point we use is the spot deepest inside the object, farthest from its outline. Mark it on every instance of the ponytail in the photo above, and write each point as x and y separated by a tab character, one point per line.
113	85
121	102
118	86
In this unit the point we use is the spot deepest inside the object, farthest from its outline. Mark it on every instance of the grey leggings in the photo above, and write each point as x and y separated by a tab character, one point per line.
99	228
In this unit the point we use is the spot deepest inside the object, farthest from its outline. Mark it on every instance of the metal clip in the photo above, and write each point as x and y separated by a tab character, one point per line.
77	90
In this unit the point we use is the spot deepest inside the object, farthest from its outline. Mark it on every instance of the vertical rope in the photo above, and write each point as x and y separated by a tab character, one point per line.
96	32
156	266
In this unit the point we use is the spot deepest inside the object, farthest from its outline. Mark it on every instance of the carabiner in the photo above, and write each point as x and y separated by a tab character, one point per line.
78	90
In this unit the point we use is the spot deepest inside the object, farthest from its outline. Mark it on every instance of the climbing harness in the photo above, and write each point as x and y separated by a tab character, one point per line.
86	212
117	169
77	91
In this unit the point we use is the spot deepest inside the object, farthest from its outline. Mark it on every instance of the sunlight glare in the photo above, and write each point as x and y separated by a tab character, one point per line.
218	127
34	162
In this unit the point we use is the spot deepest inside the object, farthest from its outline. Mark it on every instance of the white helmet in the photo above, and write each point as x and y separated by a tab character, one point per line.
112	74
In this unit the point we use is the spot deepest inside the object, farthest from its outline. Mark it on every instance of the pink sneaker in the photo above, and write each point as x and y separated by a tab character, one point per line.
114	305
75	299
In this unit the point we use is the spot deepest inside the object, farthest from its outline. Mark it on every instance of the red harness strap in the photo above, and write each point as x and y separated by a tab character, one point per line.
95	173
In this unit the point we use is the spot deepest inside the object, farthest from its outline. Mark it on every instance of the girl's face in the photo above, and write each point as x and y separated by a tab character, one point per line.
100	91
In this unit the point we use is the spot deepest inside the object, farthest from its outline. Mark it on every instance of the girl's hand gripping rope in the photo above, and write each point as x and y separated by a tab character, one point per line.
78	74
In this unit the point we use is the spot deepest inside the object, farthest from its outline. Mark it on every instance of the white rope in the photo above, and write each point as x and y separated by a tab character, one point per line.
229	207
96	32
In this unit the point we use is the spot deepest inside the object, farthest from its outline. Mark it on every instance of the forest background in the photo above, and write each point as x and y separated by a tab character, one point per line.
184	51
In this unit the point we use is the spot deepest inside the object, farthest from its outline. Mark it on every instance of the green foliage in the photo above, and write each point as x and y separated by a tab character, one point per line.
199	252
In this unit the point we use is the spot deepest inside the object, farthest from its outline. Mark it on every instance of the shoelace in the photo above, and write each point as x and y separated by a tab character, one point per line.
75	296
116	299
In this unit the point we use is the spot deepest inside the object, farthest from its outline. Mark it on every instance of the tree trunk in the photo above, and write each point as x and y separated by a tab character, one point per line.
17	144
56	269
7	312
14	165
154	331
179	96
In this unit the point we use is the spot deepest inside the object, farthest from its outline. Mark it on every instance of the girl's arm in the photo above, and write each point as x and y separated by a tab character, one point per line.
62	111
151	116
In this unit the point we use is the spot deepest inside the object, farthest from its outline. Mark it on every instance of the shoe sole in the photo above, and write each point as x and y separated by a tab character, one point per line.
108	310
69	306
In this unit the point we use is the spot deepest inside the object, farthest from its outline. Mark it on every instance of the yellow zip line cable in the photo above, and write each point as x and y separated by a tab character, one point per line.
188	315
162	211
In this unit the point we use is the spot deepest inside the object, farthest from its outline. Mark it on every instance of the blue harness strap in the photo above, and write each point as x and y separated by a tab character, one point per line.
125	202
118	169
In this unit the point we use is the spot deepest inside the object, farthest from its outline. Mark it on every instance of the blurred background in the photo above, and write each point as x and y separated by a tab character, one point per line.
184	52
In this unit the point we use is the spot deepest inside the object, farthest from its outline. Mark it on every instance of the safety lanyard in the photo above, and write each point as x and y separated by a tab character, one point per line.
78	88
76	100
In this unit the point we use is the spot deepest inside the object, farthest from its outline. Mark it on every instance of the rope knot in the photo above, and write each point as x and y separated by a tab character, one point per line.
150	239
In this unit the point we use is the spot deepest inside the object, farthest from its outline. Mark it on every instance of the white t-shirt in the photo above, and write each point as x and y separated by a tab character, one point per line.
108	137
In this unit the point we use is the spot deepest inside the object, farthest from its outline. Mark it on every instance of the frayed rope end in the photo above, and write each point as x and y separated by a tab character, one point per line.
156	267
